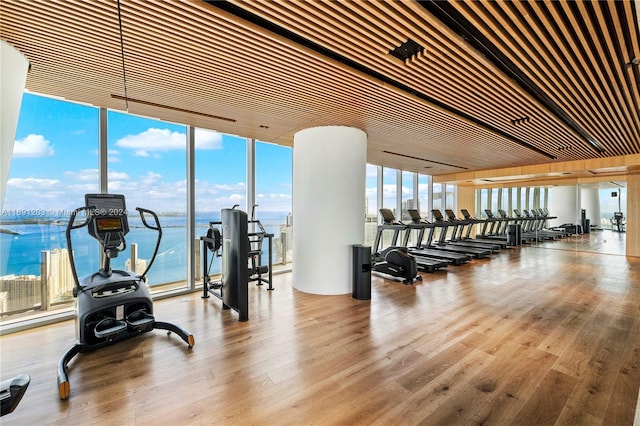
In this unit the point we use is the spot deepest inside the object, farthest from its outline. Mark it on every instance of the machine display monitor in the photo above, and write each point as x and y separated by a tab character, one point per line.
466	214
108	224
415	216
437	215
450	214
387	215
108	212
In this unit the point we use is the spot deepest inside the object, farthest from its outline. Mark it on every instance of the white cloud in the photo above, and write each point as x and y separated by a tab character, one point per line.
85	188
389	190
150	178
92	175
226	187
113	175
31	184
32	146
273	196
85	175
208	139
153	140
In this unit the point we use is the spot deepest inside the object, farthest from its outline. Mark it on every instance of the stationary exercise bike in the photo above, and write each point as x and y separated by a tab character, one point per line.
111	305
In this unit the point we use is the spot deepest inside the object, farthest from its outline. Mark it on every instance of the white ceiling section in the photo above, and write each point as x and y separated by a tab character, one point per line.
490	84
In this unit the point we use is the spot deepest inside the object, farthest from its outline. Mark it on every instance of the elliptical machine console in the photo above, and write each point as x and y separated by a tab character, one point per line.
111	305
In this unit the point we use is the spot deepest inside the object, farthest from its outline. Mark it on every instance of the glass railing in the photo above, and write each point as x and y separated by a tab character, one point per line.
35	272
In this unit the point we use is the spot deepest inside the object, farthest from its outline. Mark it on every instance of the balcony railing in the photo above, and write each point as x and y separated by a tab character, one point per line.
54	287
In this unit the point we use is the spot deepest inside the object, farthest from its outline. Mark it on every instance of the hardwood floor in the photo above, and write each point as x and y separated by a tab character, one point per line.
543	334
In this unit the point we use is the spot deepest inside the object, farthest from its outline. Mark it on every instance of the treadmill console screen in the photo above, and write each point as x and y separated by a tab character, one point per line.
465	213
437	215
387	215
415	216
450	214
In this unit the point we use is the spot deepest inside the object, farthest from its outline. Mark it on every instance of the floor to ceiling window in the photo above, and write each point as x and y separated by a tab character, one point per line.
220	183
438	198
613	208
371	205
450	197
424	189
147	164
54	163
273	198
390	190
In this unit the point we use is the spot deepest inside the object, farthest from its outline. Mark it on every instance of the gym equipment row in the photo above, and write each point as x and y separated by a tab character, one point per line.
453	244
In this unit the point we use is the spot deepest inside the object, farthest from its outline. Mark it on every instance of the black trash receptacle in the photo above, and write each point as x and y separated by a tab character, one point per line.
514	235
587	226
361	272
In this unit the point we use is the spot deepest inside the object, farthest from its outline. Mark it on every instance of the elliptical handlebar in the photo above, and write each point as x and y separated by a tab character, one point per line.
157	228
70	227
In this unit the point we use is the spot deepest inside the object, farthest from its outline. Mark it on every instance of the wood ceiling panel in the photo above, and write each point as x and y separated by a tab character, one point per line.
441	76
445	110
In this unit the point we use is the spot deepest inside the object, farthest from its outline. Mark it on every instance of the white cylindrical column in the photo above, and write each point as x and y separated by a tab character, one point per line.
564	204
13	69
329	172
590	201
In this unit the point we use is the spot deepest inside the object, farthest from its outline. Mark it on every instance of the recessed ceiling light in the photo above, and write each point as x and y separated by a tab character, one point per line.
406	50
520	120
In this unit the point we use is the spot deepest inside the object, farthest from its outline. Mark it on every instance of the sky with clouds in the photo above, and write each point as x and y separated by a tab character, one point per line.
55	162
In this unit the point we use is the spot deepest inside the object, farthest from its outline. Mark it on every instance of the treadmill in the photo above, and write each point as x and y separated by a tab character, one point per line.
420	250
442	244
426	264
458	228
472	221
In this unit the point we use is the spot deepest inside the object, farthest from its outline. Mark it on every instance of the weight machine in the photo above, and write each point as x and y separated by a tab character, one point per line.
241	257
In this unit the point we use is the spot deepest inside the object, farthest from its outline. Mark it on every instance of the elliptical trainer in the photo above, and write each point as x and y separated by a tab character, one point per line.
111	305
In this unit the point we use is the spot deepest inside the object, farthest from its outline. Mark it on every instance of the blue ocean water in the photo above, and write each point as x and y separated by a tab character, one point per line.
20	252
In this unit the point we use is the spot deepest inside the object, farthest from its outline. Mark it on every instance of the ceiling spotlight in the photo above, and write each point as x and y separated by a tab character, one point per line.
634	61
520	120
408	49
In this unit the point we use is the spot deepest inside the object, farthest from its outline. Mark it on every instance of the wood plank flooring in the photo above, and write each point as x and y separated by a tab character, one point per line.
542	334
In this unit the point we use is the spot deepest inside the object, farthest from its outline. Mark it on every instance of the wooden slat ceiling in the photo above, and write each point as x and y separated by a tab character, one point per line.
266	69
